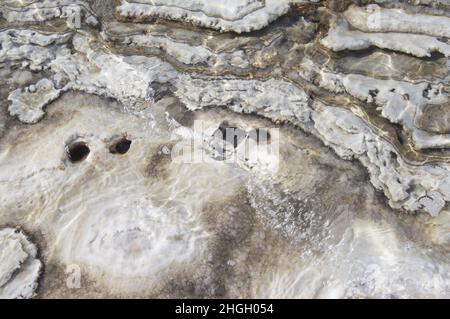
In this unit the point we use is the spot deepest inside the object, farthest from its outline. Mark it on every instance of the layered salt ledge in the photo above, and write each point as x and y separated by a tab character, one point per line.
155	224
182	52
236	15
340	38
30	48
130	79
105	74
404	103
414	188
33	50
29	11
275	99
401	102
374	18
19	267
411	187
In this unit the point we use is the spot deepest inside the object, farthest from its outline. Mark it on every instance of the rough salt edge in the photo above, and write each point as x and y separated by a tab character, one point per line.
117	73
89	79
23	283
255	20
12	257
229	10
340	38
182	52
30	47
373	18
394	106
72	73
48	10
404	106
349	140
28	104
410	188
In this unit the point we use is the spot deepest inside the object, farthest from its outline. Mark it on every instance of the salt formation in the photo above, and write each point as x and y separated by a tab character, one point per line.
98	119
30	11
236	15
341	38
373	18
31	48
405	185
20	268
28	105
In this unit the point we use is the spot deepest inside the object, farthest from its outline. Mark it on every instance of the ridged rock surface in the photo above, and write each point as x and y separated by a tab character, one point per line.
99	98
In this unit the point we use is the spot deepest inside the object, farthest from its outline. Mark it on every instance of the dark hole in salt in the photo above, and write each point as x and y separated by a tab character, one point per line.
78	151
120	147
426	92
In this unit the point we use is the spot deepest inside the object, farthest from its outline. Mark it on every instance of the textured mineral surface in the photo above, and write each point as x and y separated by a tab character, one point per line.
119	178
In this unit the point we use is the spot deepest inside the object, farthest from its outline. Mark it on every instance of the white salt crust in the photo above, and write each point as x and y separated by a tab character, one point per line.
236	15
373	18
340	38
30	11
19	266
129	79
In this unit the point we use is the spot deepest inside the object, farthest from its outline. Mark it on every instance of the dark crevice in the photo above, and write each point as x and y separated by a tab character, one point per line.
122	146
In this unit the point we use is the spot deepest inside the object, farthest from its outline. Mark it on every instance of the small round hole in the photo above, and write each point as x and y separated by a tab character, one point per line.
120	147
78	151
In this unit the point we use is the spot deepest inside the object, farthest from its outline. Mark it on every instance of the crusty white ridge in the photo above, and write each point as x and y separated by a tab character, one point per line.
236	15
